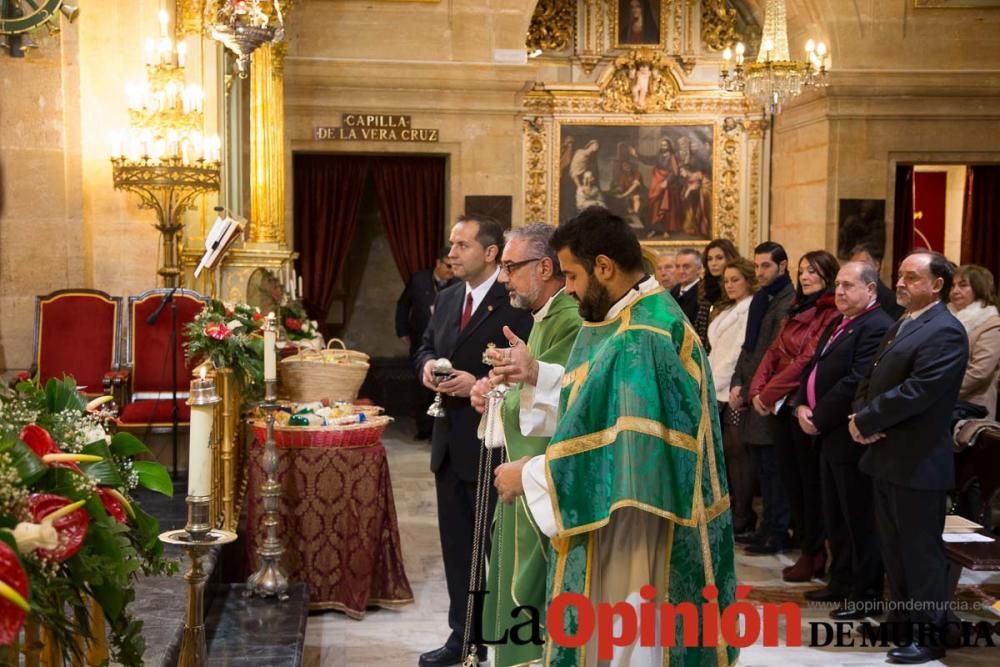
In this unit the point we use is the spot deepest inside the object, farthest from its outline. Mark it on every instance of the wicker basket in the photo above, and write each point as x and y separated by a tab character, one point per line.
365	434
311	375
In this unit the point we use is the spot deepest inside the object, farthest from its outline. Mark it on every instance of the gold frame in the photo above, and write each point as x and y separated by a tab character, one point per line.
714	123
956	4
661	45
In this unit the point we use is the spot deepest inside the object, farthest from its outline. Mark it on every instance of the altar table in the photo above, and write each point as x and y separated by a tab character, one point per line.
337	523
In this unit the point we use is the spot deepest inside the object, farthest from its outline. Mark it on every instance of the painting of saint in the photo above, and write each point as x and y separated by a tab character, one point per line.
638	22
658	178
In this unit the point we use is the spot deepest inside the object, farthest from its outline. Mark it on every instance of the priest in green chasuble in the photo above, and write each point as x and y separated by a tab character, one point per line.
632	487
519	554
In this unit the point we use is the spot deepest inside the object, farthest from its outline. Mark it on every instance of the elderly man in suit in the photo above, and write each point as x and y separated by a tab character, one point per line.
685	290
844	354
467	318
872	255
903	417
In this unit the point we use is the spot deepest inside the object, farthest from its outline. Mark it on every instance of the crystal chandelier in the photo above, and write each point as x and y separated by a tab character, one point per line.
163	155
244	25
774	78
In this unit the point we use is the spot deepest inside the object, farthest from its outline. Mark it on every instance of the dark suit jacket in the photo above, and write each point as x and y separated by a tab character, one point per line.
759	430
688	302
887	299
455	434
413	308
839	370
909	395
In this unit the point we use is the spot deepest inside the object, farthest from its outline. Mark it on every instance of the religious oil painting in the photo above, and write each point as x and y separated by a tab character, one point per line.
657	177
638	23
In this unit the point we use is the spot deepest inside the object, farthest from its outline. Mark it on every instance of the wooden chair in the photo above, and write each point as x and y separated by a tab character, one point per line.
147	376
76	334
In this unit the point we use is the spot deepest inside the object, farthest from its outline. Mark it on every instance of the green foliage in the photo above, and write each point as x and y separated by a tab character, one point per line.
112	553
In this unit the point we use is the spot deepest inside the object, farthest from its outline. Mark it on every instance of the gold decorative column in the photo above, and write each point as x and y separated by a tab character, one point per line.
267	145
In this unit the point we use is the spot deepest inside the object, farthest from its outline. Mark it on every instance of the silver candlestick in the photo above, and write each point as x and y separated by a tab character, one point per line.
197	538
270	579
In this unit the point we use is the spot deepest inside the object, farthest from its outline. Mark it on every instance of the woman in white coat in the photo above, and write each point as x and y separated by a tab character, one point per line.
726	332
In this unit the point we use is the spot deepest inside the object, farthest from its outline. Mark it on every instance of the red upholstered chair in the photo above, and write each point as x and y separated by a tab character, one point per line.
147	405
76	334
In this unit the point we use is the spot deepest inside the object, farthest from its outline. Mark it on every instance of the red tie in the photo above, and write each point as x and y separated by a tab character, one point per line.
467	313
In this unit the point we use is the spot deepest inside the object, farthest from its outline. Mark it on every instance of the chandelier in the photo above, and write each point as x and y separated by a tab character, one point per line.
163	155
244	25
774	78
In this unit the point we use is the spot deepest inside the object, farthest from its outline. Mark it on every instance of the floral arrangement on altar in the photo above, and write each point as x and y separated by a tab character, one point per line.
296	323
229	336
70	530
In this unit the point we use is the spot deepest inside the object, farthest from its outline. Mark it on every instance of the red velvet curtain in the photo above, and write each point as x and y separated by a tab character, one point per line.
902	226
411	202
328	191
980	236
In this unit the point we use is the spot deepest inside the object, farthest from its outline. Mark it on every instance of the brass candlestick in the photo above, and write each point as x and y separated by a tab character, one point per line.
270	580
196	538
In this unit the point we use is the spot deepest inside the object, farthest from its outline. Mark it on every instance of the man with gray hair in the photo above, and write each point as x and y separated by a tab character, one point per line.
844	353
688	277
517	566
666	267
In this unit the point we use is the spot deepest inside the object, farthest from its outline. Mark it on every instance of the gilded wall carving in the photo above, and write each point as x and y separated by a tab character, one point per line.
718	25
535	170
551	26
639	82
753	224
729	183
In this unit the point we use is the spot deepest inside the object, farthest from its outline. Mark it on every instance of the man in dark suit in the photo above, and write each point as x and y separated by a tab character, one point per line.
413	312
767	312
903	416
825	397
872	255
688	276
467	317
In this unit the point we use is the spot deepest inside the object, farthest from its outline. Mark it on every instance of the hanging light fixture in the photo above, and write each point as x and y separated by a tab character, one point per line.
245	25
774	78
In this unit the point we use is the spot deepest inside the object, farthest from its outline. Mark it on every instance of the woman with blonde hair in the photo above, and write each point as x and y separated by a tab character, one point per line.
726	331
973	300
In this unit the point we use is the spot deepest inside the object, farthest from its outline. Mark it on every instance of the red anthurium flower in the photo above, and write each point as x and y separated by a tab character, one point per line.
257	317
72	527
44	447
293	324
113	505
13	595
218	331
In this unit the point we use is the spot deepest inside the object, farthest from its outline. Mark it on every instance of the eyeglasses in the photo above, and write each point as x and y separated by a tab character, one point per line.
510	266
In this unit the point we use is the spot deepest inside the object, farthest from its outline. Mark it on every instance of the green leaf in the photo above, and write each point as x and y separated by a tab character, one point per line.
29	467
154	477
126	444
104	472
147	529
62	395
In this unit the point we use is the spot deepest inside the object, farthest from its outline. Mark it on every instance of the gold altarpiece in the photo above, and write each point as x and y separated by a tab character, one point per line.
590	76
265	243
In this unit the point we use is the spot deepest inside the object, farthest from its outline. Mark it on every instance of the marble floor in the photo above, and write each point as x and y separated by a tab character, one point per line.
397	637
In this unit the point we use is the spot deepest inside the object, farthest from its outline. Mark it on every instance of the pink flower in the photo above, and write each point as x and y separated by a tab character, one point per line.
217	331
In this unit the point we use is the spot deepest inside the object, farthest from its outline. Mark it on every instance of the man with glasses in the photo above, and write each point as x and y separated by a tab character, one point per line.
517	571
413	313
467	318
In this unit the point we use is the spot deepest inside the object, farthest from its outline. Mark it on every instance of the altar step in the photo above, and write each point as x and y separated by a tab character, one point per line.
239	631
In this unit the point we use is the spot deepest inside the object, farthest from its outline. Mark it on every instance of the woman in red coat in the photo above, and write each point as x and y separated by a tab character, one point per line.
773	390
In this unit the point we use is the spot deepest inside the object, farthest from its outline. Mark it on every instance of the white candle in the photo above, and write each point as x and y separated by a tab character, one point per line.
270	363
199	452
298	287
182	50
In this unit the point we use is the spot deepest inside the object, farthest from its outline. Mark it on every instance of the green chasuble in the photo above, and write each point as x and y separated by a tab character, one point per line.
637	478
519	553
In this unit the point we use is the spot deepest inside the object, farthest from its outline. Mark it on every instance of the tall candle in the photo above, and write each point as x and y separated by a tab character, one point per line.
298	287
202	401
270	363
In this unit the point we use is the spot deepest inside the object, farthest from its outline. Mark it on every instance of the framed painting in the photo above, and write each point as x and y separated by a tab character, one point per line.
860	221
638	23
659	177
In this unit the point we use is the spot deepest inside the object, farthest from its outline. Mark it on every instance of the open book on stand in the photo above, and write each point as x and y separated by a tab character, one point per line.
224	232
